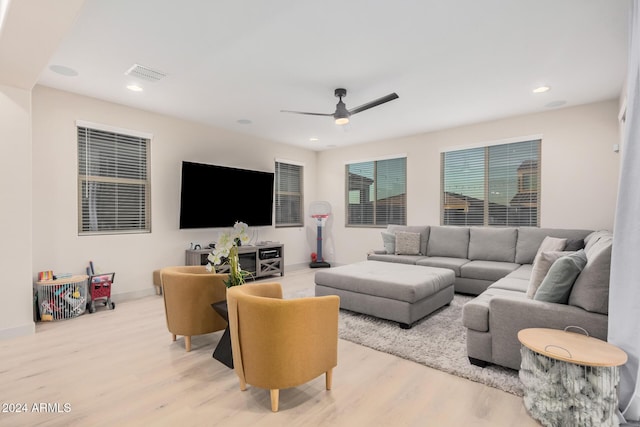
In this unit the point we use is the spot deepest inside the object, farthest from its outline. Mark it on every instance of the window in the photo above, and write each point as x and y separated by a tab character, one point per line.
113	182
377	192
494	185
289	200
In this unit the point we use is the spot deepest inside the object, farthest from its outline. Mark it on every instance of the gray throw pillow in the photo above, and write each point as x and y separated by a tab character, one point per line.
541	266
556	286
407	243
389	242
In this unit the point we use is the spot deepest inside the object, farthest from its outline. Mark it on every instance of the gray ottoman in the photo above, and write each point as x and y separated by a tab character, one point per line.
400	292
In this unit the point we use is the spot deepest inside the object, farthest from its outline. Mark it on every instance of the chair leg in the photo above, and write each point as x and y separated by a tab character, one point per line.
275	394
173	337
187	343
329	378
243	385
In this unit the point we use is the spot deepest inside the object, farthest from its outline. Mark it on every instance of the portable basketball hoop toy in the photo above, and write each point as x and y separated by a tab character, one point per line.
320	211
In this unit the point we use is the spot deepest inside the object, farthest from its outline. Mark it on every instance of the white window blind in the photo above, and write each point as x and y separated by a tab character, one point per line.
377	192
494	185
289	195
113	182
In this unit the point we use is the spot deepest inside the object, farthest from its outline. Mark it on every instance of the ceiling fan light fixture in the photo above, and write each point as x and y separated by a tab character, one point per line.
342	120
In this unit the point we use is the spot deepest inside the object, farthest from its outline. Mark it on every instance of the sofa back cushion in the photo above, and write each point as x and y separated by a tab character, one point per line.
492	244
448	241
591	289
422	229
530	238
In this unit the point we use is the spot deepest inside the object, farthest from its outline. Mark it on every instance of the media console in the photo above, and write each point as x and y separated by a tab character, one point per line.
259	260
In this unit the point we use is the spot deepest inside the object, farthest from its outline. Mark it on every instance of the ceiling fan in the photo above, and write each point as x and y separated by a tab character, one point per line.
341	115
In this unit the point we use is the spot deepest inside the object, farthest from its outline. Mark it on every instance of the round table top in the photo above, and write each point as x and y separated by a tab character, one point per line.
572	347
64	280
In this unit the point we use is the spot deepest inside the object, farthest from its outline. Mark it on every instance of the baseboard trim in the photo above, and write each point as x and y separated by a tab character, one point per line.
18	331
125	296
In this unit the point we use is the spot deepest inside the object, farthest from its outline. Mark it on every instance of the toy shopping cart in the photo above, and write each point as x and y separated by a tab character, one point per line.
100	289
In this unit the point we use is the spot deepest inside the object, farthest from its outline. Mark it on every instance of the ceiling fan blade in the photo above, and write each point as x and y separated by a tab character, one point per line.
309	114
374	103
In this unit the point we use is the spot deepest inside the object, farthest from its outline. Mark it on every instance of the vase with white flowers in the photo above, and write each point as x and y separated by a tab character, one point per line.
224	257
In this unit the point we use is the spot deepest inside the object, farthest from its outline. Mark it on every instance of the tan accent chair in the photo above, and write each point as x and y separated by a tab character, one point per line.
280	343
188	293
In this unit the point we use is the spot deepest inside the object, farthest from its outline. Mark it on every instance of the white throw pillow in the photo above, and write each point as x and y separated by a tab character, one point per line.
541	266
551	244
407	243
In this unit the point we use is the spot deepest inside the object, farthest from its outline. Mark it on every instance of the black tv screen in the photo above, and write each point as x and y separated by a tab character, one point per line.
218	196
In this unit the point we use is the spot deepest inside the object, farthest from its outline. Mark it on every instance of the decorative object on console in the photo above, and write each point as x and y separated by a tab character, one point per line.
226	253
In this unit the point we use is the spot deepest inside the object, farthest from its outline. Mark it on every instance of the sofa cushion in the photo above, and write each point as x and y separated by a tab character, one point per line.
399	259
407	243
550	244
448	241
443	262
422	229
487	270
492	244
594	237
530	238
574	245
540	268
389	242
556	286
523	272
511	284
475	313
591	289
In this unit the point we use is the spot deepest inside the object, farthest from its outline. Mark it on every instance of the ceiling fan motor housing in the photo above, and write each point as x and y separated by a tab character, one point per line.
340	92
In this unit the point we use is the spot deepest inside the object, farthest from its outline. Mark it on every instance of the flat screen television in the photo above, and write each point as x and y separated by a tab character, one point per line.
218	196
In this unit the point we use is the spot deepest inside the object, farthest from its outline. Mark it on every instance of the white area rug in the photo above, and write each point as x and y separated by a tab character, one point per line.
438	341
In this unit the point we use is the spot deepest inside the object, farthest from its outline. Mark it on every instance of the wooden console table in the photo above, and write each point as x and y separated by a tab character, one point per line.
569	379
260	260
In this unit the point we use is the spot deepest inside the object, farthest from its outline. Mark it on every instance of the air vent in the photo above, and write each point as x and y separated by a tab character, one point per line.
145	73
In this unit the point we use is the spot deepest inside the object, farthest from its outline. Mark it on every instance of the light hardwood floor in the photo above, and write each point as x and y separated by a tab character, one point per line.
121	368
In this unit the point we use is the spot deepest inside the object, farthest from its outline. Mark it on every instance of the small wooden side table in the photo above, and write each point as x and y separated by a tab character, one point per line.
569	378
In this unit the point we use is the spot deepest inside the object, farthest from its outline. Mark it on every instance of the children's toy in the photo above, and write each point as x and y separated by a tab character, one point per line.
100	289
62	298
320	211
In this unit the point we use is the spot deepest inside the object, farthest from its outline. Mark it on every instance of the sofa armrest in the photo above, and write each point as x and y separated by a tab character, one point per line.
508	316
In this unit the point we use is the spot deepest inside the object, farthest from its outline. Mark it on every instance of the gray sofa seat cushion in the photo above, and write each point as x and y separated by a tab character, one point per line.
530	238
475	313
492	244
400	259
387	280
448	241
423	230
443	262
522	272
511	284
487	270
591	288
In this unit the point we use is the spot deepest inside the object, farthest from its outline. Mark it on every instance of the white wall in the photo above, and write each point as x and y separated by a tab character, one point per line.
16	301
579	171
56	243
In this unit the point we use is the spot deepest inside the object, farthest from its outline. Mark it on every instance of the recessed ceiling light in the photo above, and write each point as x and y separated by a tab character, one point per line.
64	71
313	139
134	88
244	121
541	89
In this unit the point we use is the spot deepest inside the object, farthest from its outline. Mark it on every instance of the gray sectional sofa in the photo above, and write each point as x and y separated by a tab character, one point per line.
495	264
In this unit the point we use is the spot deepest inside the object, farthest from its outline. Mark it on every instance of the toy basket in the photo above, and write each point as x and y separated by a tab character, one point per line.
62	298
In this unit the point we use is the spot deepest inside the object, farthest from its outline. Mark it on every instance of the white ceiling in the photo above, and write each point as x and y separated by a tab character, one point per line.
450	62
